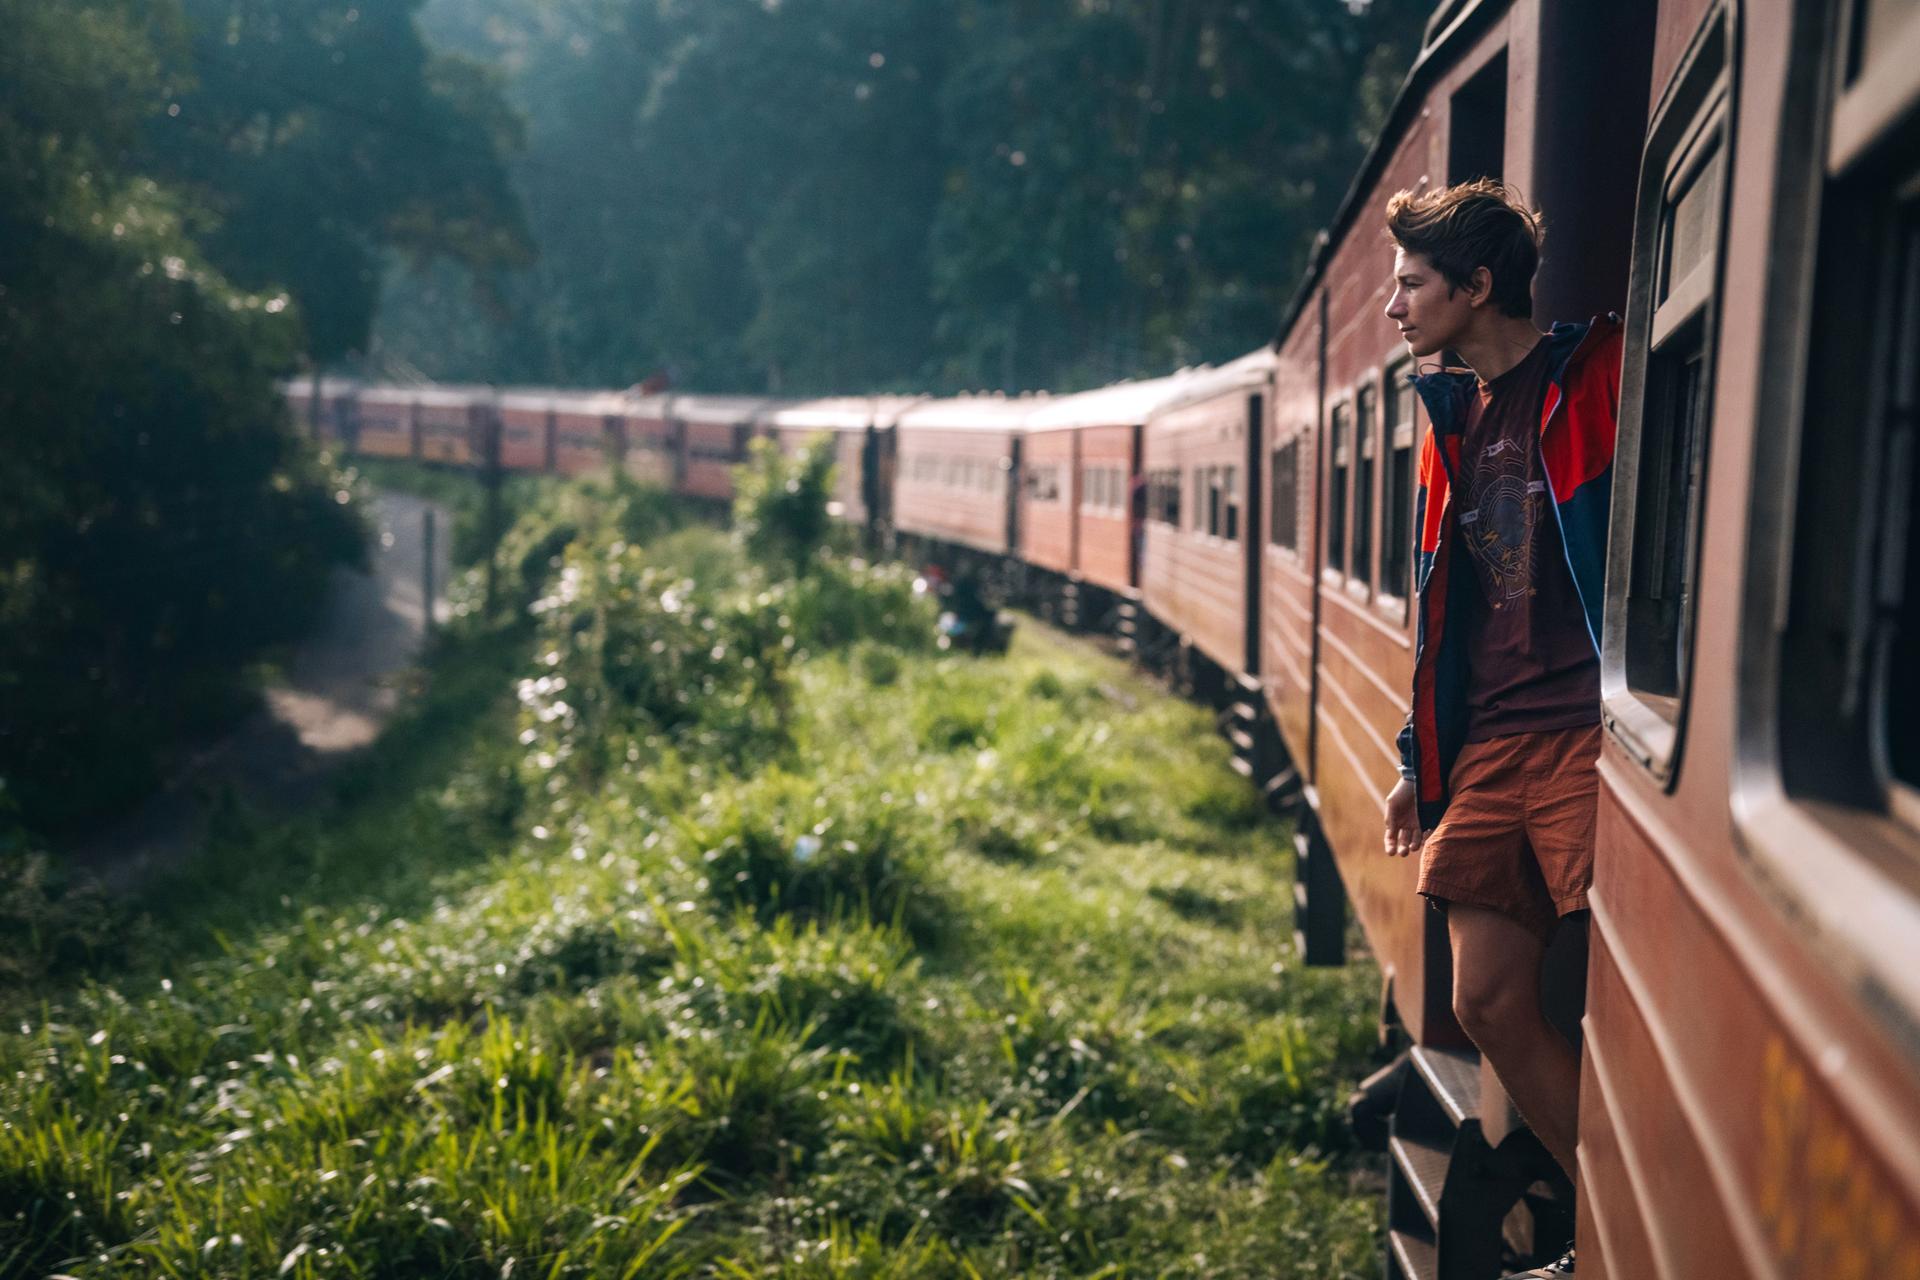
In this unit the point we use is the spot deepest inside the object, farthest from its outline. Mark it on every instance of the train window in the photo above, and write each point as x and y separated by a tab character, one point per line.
1230	503
1337	489
1286	496
1396	524
1164	499
1827	761
1366	422
1662	448
1477	124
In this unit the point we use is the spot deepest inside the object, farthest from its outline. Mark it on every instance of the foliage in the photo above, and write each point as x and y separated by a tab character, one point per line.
844	195
163	525
315	136
780	503
713	1008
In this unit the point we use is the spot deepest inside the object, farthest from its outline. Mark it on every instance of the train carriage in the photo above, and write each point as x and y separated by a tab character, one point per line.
714	432
1749	1091
586	428
527	429
384	423
957	469
449	423
650	439
1089	536
1750	1102
1199	460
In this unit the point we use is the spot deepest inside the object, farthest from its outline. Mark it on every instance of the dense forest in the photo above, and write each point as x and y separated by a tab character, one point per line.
803	196
196	197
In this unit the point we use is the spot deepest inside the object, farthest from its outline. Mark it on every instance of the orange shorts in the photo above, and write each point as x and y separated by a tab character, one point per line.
1518	834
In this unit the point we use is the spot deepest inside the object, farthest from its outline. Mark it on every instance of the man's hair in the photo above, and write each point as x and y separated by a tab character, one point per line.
1470	225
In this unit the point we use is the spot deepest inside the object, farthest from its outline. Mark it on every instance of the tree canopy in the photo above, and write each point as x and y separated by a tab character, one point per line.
828	195
172	240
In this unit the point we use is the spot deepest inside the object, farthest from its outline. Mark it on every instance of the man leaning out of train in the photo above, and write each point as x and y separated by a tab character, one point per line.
1498	756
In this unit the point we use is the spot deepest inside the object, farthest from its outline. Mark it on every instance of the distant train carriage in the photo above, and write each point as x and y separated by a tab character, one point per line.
1096	437
713	435
584	430
527	429
449	423
650	439
956	467
384	425
1199	467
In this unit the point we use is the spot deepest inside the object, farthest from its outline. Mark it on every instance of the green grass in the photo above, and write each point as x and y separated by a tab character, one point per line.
975	968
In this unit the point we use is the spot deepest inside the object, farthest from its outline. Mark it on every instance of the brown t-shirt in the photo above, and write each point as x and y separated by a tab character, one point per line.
1530	662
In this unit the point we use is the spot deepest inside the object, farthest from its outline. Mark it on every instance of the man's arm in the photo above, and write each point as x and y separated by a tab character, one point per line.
1403	835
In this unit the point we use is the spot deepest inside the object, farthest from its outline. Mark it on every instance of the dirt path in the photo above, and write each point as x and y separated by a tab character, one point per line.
340	688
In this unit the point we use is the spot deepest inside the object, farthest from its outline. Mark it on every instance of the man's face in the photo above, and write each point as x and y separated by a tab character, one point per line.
1429	313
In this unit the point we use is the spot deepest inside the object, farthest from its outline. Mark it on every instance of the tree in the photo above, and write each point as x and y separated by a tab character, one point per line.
316	136
163	523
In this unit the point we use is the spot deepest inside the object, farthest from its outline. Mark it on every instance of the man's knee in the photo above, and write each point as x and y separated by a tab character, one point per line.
1491	1011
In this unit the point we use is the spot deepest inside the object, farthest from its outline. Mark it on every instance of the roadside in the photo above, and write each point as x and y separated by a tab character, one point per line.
342	686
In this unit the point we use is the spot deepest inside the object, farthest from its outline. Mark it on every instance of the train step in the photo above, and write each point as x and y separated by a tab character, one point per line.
1411	1256
1421	1163
1452	1197
1283	790
1452	1078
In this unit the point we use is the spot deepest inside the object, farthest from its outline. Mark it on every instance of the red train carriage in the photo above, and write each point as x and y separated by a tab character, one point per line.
586	427
1089	536
1750	1095
527	430
449	422
956	469
384	423
714	431
1200	457
1749	1091
651	441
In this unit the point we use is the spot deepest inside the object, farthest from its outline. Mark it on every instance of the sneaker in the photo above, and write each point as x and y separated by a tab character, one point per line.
1559	1268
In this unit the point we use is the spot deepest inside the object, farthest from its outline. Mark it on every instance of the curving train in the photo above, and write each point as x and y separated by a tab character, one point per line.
1741	180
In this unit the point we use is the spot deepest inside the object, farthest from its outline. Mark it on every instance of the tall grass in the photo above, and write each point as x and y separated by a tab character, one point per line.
865	961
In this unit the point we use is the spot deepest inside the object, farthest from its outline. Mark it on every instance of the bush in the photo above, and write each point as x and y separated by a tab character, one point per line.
780	504
816	849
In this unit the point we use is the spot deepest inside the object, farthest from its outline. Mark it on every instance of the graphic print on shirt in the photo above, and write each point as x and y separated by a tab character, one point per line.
1499	525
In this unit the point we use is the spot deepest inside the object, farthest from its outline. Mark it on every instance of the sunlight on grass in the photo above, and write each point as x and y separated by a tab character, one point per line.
873	962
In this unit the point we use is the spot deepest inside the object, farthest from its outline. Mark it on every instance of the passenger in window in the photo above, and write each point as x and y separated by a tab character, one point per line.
1498	755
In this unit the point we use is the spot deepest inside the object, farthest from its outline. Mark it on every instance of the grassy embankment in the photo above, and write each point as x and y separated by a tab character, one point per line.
750	938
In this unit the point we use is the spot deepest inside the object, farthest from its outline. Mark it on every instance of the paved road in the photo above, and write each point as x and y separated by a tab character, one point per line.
340	688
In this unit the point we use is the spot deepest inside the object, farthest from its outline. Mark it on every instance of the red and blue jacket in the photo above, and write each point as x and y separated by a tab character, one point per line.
1577	422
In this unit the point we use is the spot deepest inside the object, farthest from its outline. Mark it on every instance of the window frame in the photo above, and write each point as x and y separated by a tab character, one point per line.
1338	498
1363	503
1397	605
1841	874
1695	118
1293	445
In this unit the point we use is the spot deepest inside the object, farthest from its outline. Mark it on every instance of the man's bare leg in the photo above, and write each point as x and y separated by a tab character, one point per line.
1496	996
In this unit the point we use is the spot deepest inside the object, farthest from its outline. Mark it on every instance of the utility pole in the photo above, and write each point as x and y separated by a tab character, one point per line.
491	475
426	570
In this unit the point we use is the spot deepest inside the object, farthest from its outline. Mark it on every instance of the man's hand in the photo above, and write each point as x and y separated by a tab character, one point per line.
1403	835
